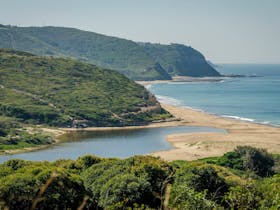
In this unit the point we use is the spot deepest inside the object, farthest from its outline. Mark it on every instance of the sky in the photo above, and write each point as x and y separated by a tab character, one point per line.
225	31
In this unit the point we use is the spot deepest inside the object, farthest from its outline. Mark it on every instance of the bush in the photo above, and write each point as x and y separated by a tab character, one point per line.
119	177
184	197
124	191
256	160
243	197
247	158
41	186
197	184
270	192
231	160
206	178
86	161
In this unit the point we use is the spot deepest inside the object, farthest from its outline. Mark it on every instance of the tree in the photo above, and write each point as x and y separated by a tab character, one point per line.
206	178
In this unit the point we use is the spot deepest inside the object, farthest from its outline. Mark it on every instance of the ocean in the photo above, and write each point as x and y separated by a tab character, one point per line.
254	99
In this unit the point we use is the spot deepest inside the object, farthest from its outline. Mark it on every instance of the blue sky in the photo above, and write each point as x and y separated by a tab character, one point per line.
225	31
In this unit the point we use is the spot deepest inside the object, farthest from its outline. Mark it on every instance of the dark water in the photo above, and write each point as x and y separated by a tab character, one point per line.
255	99
120	144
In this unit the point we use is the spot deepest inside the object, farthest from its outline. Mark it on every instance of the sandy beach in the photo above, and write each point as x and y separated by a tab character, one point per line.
182	79
192	146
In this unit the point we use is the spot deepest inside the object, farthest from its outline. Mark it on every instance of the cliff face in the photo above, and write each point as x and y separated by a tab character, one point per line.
135	60
180	60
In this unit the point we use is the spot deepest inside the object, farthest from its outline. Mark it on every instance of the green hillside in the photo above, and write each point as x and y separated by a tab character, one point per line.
135	60
68	93
180	60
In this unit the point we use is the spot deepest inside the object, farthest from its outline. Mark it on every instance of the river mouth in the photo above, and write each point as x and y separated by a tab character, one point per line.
115	143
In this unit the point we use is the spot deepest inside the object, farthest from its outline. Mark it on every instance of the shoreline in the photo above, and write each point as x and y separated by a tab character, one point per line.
182	79
191	146
53	132
56	133
174	123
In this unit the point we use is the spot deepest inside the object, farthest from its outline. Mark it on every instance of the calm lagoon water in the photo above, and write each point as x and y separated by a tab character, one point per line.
120	144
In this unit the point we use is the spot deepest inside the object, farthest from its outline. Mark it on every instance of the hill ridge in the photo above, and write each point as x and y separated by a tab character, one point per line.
133	59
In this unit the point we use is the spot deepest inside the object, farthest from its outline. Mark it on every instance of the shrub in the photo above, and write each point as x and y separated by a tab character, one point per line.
201	182
247	158
126	190
206	178
118	178
86	161
42	187
243	197
256	160
184	197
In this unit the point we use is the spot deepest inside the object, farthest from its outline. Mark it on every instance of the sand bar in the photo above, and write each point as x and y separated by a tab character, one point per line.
191	146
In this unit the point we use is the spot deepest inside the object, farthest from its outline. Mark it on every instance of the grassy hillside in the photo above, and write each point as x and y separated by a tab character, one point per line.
65	92
139	182
135	60
58	91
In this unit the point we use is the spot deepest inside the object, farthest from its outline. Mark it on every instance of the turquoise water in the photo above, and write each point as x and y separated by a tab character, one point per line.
255	99
120	144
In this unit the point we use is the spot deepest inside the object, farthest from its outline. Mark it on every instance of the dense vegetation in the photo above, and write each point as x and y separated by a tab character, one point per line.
64	92
14	136
139	182
135	60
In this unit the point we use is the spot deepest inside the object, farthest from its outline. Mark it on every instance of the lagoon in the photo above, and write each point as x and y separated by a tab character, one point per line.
117	143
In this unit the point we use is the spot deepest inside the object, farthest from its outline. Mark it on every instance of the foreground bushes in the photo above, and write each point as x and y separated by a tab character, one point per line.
124	183
139	182
249	159
26	185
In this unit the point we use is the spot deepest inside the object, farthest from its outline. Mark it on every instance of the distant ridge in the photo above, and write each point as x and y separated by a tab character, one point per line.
138	61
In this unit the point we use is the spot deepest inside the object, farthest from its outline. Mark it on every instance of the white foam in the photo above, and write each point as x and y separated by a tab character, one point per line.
266	122
239	118
195	109
168	100
148	86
